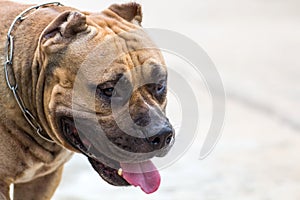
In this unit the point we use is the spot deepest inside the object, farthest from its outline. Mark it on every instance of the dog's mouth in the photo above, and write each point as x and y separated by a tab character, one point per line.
143	174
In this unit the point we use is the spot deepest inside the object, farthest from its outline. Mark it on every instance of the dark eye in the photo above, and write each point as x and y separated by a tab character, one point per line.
157	89
160	88
108	92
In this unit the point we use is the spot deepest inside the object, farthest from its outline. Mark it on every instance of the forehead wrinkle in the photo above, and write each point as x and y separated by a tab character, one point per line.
133	46
112	26
107	18
145	66
116	23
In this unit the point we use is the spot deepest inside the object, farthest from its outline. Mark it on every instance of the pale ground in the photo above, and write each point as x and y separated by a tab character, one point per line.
255	45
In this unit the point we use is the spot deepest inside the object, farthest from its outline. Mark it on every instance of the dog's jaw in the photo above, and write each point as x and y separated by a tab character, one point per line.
108	173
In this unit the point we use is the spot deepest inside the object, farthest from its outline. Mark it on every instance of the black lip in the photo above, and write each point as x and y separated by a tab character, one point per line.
66	124
109	174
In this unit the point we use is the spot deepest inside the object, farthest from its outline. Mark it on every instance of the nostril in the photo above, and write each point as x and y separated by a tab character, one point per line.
162	139
169	138
156	141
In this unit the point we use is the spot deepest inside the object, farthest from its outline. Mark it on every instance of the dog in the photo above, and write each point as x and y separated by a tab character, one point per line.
79	82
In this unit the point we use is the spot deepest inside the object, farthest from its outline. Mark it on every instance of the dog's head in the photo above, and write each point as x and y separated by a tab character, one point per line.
104	93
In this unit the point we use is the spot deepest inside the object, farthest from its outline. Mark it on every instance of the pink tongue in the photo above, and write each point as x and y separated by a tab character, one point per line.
142	174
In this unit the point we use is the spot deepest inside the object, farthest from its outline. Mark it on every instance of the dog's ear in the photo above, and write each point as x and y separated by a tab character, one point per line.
62	29
131	12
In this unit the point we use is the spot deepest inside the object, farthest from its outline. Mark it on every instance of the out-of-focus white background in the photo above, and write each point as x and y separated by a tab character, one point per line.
255	45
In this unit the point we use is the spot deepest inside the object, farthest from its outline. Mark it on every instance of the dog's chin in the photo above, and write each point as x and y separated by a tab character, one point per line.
109	170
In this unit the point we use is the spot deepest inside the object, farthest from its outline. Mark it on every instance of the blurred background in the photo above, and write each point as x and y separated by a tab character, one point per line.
255	45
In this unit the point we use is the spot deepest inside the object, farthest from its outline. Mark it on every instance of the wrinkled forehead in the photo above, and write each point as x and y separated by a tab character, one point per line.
132	53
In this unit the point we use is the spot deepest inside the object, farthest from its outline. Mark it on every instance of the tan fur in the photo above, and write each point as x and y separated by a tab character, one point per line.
45	71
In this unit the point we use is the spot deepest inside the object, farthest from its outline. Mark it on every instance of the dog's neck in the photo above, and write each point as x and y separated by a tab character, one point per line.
26	67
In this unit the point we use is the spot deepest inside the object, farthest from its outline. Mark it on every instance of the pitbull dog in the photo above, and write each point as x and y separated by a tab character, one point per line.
95	83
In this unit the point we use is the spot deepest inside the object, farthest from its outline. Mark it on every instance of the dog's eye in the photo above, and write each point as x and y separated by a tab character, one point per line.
160	88
108	92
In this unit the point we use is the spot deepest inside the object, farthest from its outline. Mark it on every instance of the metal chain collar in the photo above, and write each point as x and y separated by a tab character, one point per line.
10	80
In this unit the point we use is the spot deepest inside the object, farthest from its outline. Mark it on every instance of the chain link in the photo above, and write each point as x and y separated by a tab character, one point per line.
8	68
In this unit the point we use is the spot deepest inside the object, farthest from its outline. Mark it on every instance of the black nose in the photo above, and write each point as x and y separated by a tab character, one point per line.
162	139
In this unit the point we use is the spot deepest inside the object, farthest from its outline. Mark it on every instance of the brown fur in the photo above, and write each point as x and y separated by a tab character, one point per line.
50	46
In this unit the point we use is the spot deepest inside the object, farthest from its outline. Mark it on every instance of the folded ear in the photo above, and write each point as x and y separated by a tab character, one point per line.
131	12
65	27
